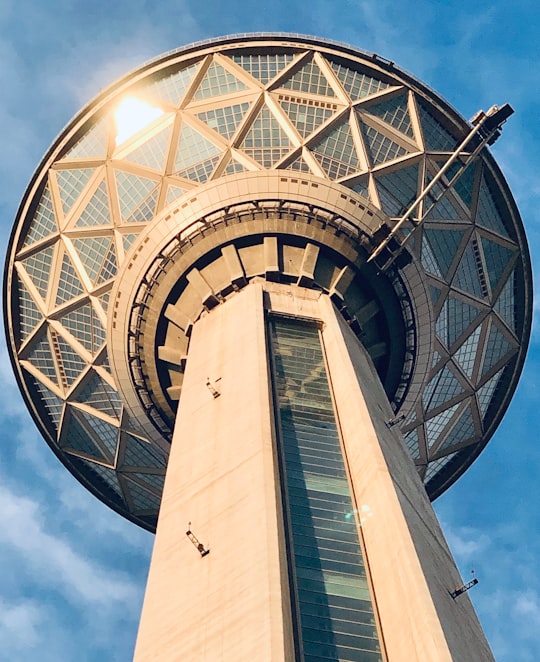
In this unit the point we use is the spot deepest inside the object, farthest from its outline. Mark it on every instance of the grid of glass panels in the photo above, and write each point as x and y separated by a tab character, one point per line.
98	195
337	620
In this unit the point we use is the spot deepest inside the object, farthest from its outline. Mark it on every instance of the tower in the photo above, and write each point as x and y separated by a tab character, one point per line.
293	261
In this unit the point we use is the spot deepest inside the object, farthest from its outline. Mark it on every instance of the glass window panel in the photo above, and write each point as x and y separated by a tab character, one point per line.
444	246
497	347
460	316
225	120
411	440
497	258
395	112
263	67
140	453
98	394
436	137
193	148
434	426
398	190
442	388
310	79
380	148
429	262
434	467
505	304
218	81
464	185
485	393
154	480
171	89
70	364
467	276
462	431
336	152
233	167
71	183
98	256
299	165
266	142
93	145
108	476
75	437
325	542
29	315
153	152
487	213
53	404
38	267
97	210
136	196
305	117
466	354
105	432
44	222
356	83
201	171
142	499
173	193
40	356
69	284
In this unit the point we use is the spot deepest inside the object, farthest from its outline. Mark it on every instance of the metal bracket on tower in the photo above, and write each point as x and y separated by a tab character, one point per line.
486	127
464	587
195	541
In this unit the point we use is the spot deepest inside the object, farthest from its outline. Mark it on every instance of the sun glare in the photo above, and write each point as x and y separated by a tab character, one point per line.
131	116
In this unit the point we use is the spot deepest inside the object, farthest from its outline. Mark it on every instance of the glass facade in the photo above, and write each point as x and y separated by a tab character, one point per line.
330	587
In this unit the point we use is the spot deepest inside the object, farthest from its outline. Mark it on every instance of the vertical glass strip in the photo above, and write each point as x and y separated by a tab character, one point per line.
333	599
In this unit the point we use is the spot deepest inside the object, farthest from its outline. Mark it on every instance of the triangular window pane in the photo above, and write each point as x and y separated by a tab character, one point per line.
98	394
98	256
141	498
436	137
505	304
40	356
434	426
29	315
153	152
69	285
84	325
218	81
201	171
152	480
487	214
105	432
467	277
193	148
442	388
411	440
53	404
357	84
70	363
444	208
172	88
462	431
398	190
139	453
460	316
298	165
225	120
394	111
137	197
75	437
380	148
497	348
44	222
361	187
97	210
38	267
71	184
233	166
263	67
310	79
444	245
466	355
436	466
336	152
497	258
464	185
485	392
93	145
429	262
173	193
111	487
266	142
306	118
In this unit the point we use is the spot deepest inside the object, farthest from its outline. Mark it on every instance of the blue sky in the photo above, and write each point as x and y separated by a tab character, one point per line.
73	572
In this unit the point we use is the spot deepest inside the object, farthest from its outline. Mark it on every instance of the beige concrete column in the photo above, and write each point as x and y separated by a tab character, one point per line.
233	604
411	568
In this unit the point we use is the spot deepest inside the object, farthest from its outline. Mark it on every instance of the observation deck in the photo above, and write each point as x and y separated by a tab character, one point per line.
274	157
